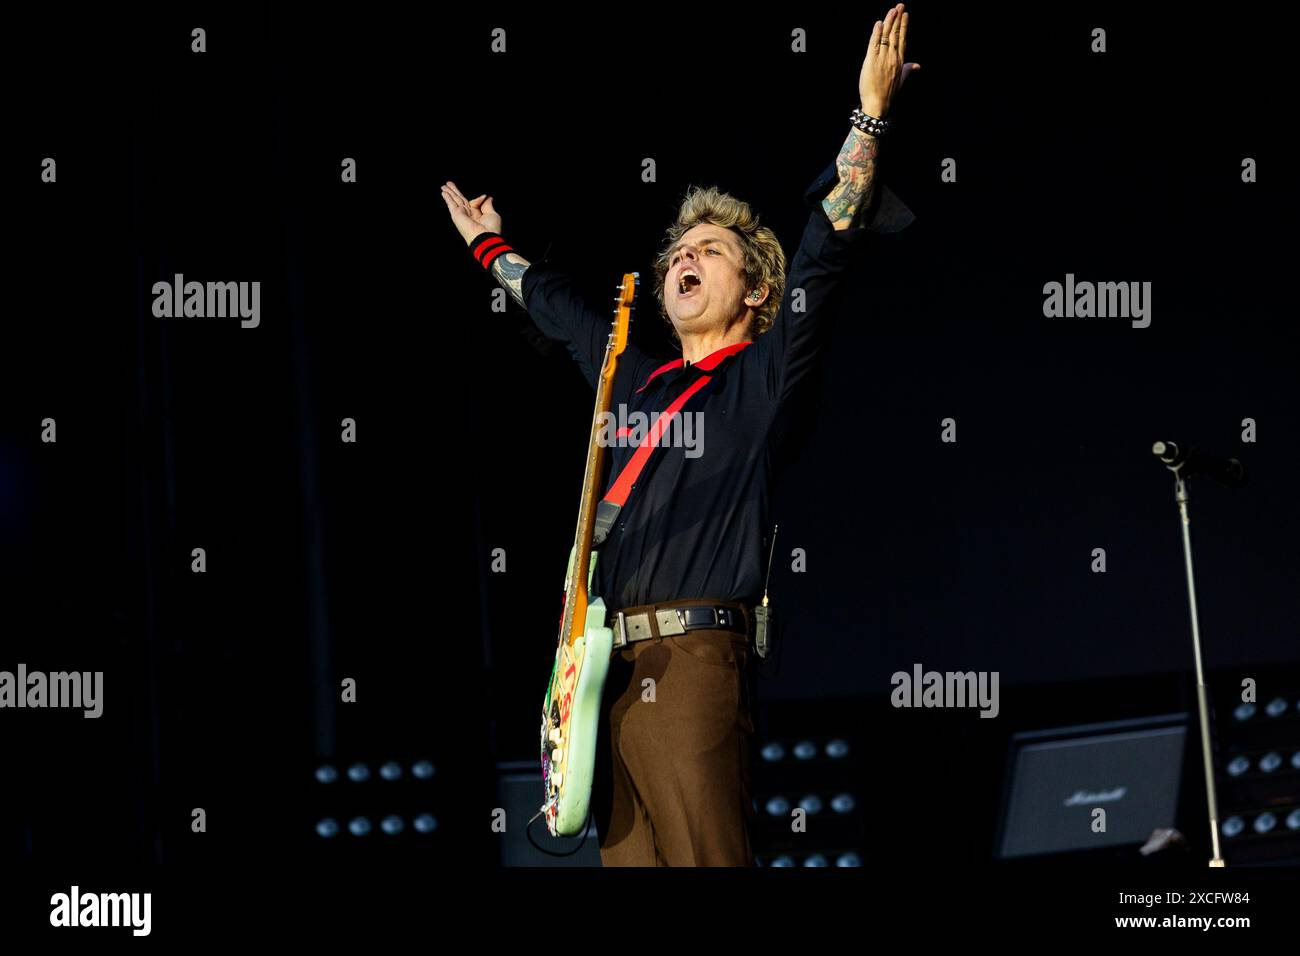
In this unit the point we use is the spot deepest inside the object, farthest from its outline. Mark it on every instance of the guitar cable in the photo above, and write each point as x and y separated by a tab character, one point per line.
528	832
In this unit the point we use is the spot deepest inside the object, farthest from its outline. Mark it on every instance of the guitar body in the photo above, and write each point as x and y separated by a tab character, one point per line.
572	706
571	722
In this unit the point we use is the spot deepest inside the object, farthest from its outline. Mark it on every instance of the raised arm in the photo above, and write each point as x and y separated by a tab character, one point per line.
547	294
883	71
840	218
472	218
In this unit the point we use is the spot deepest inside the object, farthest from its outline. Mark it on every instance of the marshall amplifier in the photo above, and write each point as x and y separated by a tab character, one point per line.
1057	778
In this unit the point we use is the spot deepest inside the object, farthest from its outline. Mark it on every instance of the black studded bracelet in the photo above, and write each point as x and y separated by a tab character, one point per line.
868	123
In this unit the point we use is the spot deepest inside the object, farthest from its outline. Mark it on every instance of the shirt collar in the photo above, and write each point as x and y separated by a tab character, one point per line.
708	363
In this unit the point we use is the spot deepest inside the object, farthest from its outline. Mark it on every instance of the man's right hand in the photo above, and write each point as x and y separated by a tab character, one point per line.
471	217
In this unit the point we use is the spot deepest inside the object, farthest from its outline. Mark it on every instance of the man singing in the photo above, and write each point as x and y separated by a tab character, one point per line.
683	560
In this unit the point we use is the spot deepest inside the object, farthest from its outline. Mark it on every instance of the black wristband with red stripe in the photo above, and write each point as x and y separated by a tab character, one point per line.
487	246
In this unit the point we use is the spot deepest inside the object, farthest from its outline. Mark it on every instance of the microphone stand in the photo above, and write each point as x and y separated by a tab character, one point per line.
1180	494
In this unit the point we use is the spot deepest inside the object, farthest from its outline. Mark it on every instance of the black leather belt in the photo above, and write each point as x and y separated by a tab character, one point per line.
641	623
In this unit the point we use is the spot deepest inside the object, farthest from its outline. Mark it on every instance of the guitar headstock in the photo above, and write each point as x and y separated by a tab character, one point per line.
625	301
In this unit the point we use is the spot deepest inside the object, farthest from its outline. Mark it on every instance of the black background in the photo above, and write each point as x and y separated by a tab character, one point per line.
370	560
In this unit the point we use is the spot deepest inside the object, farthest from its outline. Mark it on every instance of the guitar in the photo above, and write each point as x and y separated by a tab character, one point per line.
571	710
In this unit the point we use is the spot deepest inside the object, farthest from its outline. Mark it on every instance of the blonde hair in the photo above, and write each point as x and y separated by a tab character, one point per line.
763	258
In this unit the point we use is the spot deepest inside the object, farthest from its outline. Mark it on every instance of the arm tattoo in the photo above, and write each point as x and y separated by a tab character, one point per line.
856	164
509	269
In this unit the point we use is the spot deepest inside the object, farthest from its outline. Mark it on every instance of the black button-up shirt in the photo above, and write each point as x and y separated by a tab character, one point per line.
694	524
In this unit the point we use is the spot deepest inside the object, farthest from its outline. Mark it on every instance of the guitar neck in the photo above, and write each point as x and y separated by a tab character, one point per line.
576	597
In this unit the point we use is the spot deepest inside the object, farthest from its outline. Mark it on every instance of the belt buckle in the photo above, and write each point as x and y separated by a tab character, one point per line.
717	615
621	640
671	622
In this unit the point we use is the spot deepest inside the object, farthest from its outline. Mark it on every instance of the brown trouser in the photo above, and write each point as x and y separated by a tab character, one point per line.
672	775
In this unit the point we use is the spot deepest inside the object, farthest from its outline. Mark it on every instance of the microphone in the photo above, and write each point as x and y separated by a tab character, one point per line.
1191	461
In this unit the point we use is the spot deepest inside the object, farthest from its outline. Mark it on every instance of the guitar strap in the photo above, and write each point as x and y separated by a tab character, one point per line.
609	507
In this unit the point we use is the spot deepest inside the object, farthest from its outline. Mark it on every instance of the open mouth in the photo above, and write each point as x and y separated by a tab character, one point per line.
687	283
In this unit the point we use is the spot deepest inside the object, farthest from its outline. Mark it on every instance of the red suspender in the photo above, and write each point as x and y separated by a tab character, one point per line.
607	510
618	492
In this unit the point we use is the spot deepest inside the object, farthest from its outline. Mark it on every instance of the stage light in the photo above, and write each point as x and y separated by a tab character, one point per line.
391	770
327	828
1265	822
777	806
843	803
848	859
1270	761
782	861
816	860
358	773
422	769
804	761
1295	760
425	823
1232	826
1238	766
1244	712
812	804
392	825
359	826
326	773
1293	820
1276	707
